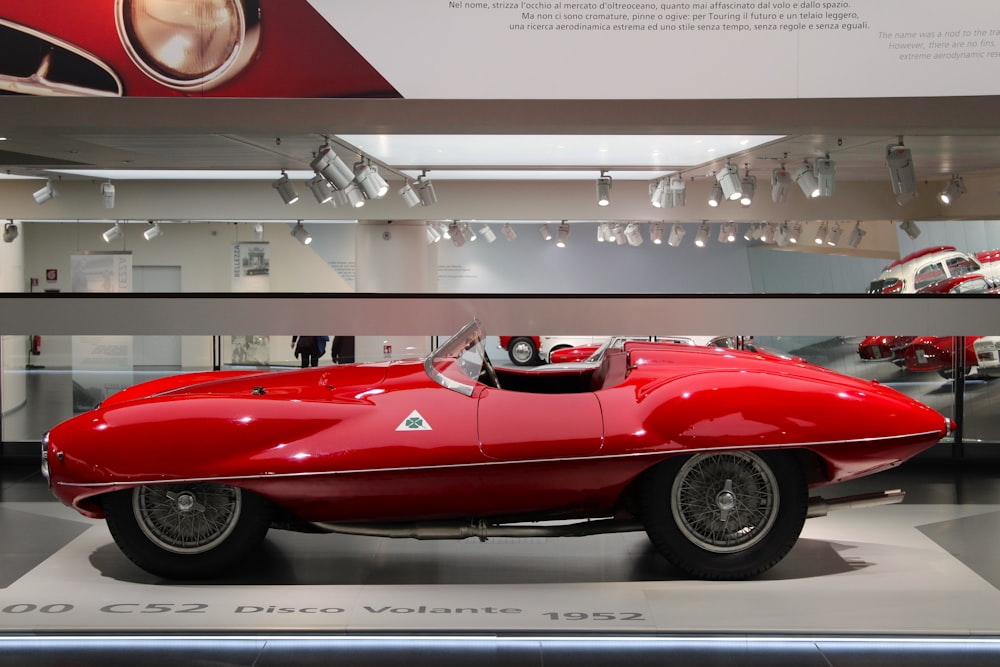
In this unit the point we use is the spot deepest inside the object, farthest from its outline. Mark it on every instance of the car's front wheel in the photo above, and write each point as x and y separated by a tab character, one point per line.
522	351
189	530
725	515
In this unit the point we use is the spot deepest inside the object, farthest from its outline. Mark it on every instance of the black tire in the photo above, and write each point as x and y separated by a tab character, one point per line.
523	351
187	531
725	515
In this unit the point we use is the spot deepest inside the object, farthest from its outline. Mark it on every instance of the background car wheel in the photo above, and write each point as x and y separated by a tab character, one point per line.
186	531
725	515
522	351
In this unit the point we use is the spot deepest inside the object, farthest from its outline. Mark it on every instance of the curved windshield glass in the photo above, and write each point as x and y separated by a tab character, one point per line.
459	362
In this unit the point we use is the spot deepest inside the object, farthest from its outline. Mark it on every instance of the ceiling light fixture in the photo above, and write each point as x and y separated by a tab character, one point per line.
910	228
729	179
656	233
112	233
258	232
488	233
677	233
901	172
820	238
545	232
806	179
45	193
781	181
781	234
660	195
952	191
764	232
825	171
371	182
795	232
562	236
433	235
618	232
678	191
747	187
633	235
603	232
108	194
409	195
604	189
354	196
152	231
285	189
321	188
468	232
854	240
834	237
701	238
425	189
329	165
509	232
715	195
301	234
9	232
727	232
456	235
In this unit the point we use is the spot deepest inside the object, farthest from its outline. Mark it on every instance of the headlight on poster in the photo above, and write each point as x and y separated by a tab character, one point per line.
189	43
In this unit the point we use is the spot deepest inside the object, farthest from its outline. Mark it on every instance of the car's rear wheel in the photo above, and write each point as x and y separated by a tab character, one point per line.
522	351
189	530
725	515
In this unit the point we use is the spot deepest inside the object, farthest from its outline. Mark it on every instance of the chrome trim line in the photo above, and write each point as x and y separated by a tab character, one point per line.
447	466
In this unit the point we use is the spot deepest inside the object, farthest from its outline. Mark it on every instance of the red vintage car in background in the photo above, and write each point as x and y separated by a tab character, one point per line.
712	452
166	48
584	352
937	353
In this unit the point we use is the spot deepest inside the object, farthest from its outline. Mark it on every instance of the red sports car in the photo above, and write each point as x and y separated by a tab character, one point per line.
711	451
937	353
168	48
884	348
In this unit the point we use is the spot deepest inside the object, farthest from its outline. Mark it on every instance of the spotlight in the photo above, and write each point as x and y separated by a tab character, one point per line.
340	198
729	180
901	173
715	196
701	238
854	240
152	231
108	193
467	232
372	184
285	189
806	179
727	232
677	233
112	233
780	234
45	193
678	191
562	235
445	230
604	189
952	191
488	234
258	232
764	233
834	237
425	189
545	232
781	180
618	231
910	228
9	232
747	186
656	233
321	189
825	171
329	165
354	197
300	234
795	232
410	197
821	234
603	232
508	231
748	235
660	195
456	235
433	235
633	235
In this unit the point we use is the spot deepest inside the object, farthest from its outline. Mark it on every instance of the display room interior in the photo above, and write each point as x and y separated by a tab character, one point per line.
814	190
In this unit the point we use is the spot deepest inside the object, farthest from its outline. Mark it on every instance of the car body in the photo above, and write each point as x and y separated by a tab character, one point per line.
711	451
987	350
585	352
534	350
937	353
884	348
165	48
919	269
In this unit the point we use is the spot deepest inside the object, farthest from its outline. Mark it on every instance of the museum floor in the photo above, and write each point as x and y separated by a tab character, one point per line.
915	584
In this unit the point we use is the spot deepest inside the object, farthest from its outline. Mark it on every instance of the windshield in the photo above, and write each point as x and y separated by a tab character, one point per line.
459	362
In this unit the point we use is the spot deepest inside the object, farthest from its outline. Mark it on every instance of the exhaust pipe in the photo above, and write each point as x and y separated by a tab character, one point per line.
822	507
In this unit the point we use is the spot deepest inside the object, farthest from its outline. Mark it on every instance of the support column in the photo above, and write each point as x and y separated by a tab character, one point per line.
13	349
393	257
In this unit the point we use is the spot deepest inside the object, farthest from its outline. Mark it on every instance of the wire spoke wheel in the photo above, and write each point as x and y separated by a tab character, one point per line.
725	502
187	518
